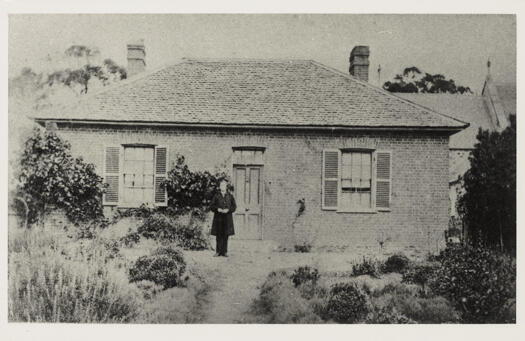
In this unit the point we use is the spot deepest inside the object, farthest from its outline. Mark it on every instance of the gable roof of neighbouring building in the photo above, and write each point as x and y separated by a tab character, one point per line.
295	93
467	108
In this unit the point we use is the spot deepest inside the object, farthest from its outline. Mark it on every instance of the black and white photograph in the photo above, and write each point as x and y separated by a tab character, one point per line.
261	168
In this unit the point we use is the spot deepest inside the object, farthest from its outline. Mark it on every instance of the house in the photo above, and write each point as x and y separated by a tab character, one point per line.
371	167
488	111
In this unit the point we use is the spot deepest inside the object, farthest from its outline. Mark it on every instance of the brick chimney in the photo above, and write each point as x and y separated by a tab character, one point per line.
136	57
359	62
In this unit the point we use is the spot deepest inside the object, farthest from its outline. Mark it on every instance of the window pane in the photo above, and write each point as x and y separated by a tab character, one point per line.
346	159
148	154
346	183
148	167
356	169
148	180
365	199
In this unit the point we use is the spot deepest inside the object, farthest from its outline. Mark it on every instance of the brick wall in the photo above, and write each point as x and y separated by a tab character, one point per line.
293	170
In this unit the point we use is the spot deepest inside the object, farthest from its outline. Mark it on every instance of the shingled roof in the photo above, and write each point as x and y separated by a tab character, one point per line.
297	93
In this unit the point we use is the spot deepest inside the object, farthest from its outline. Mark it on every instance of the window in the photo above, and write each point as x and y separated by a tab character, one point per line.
138	175
356	181
135	175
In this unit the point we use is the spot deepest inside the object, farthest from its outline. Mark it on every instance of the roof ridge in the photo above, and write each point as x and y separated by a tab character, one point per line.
384	92
246	60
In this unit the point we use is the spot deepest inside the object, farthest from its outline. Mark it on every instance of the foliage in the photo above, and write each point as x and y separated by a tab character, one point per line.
164	266
130	239
52	279
82	69
305	247
414	80
478	281
420	273
305	279
406	303
149	288
50	176
188	189
347	303
396	263
387	315
368	266
280	302
188	235
488	205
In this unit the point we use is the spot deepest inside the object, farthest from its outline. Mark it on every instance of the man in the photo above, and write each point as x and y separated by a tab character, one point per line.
223	205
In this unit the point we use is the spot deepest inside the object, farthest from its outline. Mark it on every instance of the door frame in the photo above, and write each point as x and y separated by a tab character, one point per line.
261	190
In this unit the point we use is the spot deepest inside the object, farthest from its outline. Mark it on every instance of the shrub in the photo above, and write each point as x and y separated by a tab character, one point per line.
304	274
50	177
396	263
367	267
420	273
303	248
347	303
305	279
130	239
161	227
51	280
478	281
388	315
164	267
280	302
190	189
406	300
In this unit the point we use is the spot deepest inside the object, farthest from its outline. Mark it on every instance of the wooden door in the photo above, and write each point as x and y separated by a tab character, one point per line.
247	181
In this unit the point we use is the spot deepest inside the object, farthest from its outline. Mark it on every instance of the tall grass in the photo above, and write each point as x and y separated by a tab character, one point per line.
55	279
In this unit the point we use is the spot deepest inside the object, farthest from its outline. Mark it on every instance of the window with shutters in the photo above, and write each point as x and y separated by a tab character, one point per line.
356	181
138	175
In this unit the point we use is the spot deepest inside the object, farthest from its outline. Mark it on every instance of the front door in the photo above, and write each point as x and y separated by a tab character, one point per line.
247	218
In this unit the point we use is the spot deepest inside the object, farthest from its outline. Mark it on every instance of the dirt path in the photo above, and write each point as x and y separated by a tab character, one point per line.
235	280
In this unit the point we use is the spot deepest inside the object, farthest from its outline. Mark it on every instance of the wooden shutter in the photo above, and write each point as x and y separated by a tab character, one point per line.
112	174
331	178
161	172
383	179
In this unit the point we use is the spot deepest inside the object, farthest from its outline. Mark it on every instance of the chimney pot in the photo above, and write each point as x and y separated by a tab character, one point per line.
136	57
359	62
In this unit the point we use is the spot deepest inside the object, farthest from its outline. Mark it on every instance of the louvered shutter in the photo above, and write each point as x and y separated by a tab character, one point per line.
383	180
161	170
331	179
112	174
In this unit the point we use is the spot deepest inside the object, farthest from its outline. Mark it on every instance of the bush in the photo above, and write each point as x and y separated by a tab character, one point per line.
396	263
478	281
406	301
305	279
303	275
164	267
50	177
190	189
347	303
420	273
280	302
53	280
149	288
161	227
130	239
388	315
368	266
303	248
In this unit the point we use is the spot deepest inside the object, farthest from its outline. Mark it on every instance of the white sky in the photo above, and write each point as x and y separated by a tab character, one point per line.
455	45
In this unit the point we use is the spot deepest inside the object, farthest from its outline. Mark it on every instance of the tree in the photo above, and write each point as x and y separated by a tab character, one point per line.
414	80
80	69
49	176
488	205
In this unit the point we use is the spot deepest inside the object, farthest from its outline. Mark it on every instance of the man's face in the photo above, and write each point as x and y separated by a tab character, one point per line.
222	186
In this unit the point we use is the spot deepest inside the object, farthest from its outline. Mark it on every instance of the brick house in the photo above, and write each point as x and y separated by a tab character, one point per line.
370	166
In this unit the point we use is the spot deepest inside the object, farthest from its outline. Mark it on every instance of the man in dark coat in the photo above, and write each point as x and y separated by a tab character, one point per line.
223	205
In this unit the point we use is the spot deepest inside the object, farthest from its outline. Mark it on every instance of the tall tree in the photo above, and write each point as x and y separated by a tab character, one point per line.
488	205
414	80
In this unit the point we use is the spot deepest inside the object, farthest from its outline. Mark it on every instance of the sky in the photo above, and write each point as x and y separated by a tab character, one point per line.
457	46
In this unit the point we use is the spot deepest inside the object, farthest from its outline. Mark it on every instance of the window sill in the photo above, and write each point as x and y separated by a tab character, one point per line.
357	211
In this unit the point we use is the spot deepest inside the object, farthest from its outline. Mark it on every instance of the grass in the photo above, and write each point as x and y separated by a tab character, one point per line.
54	277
